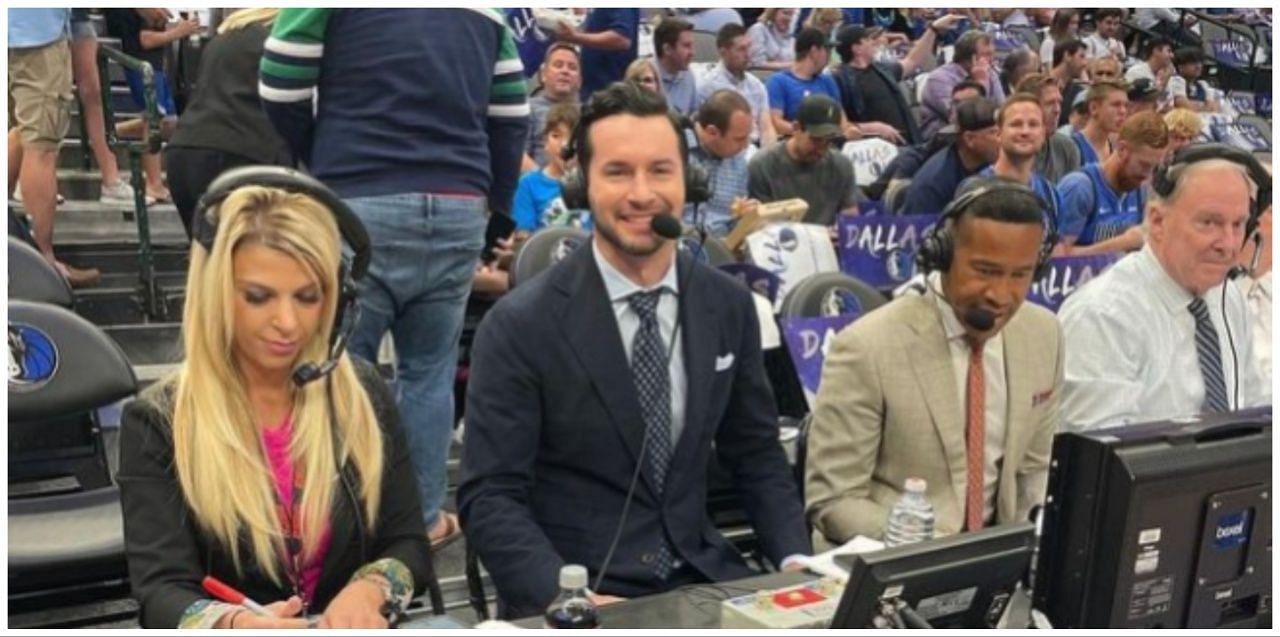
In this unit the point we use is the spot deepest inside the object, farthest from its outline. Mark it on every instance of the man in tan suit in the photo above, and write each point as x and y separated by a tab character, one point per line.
958	385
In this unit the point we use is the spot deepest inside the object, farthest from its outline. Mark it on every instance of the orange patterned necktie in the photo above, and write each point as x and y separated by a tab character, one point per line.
975	435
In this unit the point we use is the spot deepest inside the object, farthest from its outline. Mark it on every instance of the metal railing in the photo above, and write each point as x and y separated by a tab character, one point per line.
153	304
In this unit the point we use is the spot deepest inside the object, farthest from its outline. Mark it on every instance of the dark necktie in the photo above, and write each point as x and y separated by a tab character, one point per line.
1210	355
651	373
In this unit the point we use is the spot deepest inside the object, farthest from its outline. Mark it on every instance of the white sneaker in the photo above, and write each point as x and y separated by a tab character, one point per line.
17	195
121	192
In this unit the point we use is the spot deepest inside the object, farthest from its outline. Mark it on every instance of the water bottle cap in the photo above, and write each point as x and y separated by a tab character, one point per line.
917	485
573	576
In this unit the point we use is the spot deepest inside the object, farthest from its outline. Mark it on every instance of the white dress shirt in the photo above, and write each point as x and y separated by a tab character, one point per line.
619	287
1131	349
1257	293
995	402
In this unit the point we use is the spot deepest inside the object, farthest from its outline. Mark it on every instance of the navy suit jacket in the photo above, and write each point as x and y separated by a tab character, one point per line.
554	430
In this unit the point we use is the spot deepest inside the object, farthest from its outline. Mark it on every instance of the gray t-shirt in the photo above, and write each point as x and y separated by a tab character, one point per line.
828	186
1059	157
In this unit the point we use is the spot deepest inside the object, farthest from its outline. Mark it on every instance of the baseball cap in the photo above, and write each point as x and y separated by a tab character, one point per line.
975	114
819	115
1082	98
850	35
1142	89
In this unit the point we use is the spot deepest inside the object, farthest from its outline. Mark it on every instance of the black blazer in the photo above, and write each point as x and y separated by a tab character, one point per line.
554	429
169	554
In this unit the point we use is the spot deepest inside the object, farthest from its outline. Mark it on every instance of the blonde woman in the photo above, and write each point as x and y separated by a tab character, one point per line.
825	19
228	468
642	72
773	46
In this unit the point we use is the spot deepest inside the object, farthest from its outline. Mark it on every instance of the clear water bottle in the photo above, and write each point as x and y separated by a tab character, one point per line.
911	518
573	608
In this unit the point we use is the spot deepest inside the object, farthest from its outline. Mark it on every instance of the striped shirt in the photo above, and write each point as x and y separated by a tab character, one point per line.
388	101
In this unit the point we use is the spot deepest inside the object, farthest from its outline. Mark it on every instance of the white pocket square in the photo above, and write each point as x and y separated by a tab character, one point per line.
724	362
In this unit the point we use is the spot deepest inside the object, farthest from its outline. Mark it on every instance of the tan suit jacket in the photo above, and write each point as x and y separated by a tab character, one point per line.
887	410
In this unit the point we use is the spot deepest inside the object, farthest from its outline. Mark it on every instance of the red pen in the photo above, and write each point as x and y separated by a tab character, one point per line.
232	596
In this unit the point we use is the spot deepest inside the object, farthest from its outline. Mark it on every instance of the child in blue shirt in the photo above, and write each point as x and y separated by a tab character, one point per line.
538	201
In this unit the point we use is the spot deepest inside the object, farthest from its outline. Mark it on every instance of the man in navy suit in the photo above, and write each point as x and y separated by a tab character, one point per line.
577	397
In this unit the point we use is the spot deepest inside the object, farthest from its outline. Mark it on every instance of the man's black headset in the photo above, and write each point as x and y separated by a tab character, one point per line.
1165	180
1166	176
697	182
351	270
937	245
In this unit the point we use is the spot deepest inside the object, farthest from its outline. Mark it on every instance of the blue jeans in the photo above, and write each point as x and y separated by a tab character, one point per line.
425	251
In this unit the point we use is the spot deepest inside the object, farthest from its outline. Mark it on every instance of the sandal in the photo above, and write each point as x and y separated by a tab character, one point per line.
453	531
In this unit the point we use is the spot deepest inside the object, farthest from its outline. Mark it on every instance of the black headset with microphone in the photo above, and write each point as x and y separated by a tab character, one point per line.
574	186
937	245
350	271
1165	180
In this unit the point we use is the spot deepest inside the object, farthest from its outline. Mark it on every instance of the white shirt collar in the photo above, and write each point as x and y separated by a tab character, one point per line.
1173	296
619	287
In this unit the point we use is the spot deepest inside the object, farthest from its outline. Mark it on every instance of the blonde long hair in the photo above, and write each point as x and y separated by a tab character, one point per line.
245	17
218	453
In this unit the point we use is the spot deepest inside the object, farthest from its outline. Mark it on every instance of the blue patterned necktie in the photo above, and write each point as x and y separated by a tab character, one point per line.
651	373
1210	355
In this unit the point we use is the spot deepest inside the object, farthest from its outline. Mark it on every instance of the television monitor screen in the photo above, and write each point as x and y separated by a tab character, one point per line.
958	581
1160	525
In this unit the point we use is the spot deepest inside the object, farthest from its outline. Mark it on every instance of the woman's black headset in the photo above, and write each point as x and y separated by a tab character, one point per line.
937	245
697	183
350	271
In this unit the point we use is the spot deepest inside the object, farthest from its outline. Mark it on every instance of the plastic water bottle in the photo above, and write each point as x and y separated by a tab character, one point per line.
573	608
911	518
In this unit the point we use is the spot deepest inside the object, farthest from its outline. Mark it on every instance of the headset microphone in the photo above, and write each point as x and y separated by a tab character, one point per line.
979	319
666	226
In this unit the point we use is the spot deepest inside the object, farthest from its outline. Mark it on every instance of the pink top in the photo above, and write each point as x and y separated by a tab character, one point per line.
276	441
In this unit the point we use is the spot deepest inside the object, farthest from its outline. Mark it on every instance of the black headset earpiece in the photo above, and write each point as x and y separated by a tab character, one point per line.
574	187
1165	178
350	271
937	245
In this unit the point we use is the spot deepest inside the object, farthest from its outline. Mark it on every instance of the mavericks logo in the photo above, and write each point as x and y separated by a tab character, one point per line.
33	358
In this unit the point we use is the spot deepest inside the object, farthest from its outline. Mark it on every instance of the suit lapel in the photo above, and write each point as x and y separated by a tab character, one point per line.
931	360
700	339
1018	393
589	326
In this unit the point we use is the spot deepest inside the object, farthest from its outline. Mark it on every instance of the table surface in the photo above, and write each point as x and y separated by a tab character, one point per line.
696	606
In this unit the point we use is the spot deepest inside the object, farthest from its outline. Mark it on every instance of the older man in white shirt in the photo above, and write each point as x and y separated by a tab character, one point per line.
1162	334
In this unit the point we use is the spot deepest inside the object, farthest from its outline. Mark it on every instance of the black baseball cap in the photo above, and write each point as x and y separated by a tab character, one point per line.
978	113
850	35
1143	89
819	116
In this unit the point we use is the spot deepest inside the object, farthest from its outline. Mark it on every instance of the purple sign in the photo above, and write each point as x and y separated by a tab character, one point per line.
1233	52
756	278
1244	102
1242	135
878	250
808	340
1065	276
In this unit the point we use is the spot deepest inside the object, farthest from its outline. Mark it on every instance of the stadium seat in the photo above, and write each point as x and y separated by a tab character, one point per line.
31	278
704	47
829	294
544	249
62	369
